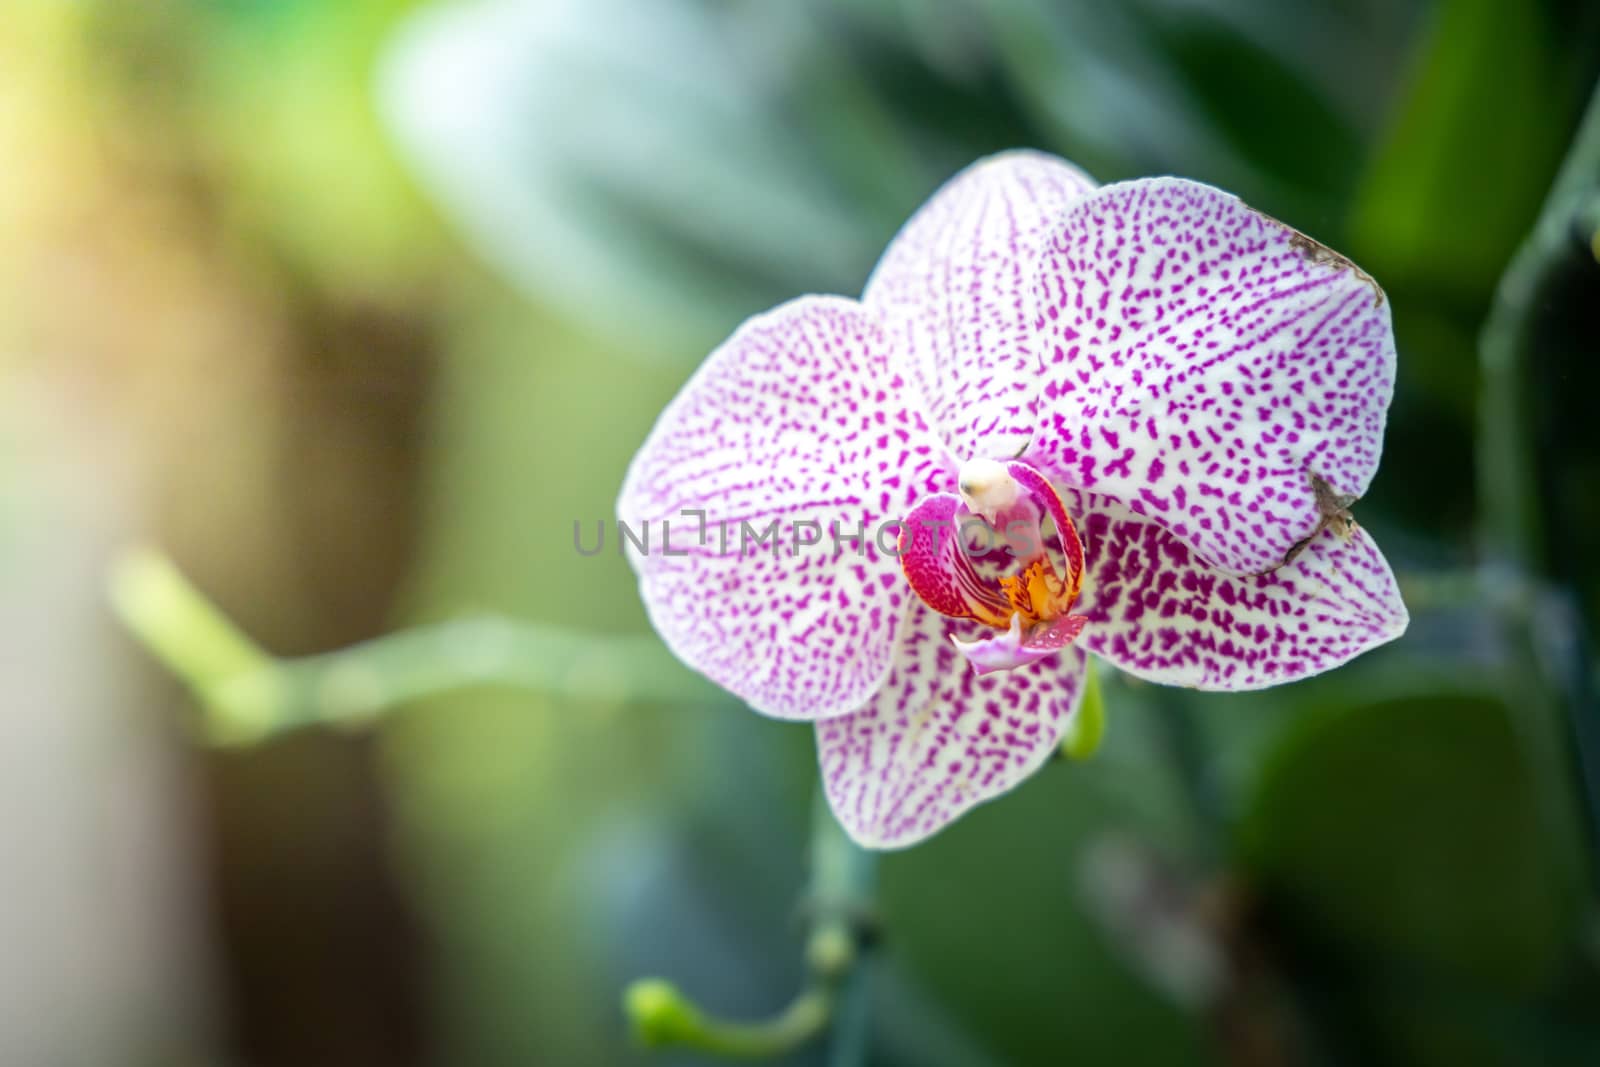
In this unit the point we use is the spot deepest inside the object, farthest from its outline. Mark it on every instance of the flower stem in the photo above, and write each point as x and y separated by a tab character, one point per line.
248	694
1545	638
843	879
1561	240
663	1017
1087	727
177	623
836	991
1185	744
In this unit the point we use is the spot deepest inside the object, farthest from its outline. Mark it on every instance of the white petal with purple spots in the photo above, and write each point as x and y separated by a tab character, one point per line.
1158	612
1204	362
956	292
1204	385
798	419
938	738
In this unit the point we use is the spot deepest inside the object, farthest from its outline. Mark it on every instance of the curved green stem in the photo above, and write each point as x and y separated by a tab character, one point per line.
1188	755
1551	679
1561	239
835	995
663	1017
248	694
178	624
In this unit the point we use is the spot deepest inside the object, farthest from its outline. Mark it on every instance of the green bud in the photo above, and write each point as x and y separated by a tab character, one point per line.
659	1014
831	951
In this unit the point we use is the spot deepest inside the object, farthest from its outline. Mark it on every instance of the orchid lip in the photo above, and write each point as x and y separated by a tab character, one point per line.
1018	647
1031	603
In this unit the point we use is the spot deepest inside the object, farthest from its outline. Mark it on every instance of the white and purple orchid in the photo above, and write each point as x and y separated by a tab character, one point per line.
1062	419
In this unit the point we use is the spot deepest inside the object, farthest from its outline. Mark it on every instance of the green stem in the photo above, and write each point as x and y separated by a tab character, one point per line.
177	623
1561	243
248	694
1087	727
1187	755
835	995
1561	239
843	879
662	1018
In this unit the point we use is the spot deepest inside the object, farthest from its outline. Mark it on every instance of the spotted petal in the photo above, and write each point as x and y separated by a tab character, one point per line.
955	289
1157	611
798	420
938	738
1205	363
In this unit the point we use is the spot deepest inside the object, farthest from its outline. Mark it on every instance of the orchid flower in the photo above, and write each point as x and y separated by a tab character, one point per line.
1126	420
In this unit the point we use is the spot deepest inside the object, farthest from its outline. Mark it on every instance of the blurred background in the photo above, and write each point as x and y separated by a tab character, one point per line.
352	308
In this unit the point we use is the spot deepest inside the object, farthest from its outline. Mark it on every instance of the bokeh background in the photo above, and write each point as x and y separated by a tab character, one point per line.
353	307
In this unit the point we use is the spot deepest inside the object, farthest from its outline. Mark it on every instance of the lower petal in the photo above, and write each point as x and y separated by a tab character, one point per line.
1158	612
939	739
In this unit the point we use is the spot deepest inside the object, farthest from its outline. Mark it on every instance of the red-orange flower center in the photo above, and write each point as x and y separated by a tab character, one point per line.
1001	509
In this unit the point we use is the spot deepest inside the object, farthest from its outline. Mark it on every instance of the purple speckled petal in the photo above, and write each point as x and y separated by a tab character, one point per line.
956	292
939	739
1204	362
797	419
1156	611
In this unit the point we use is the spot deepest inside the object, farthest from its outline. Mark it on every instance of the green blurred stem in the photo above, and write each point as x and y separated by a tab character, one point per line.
1087	728
248	694
663	1017
1189	757
843	881
1562	241
178	624
835	995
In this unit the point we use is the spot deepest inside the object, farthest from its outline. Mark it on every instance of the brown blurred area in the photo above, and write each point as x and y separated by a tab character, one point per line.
176	371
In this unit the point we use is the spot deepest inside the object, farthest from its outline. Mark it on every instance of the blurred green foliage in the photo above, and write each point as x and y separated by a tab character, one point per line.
1357	821
536	217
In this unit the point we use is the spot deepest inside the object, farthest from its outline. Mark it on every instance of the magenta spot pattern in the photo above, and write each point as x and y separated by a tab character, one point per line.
938	738
798	417
1203	361
1176	364
956	292
1158	612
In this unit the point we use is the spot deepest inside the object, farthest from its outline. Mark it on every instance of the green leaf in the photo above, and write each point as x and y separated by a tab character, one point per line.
1407	832
1462	141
